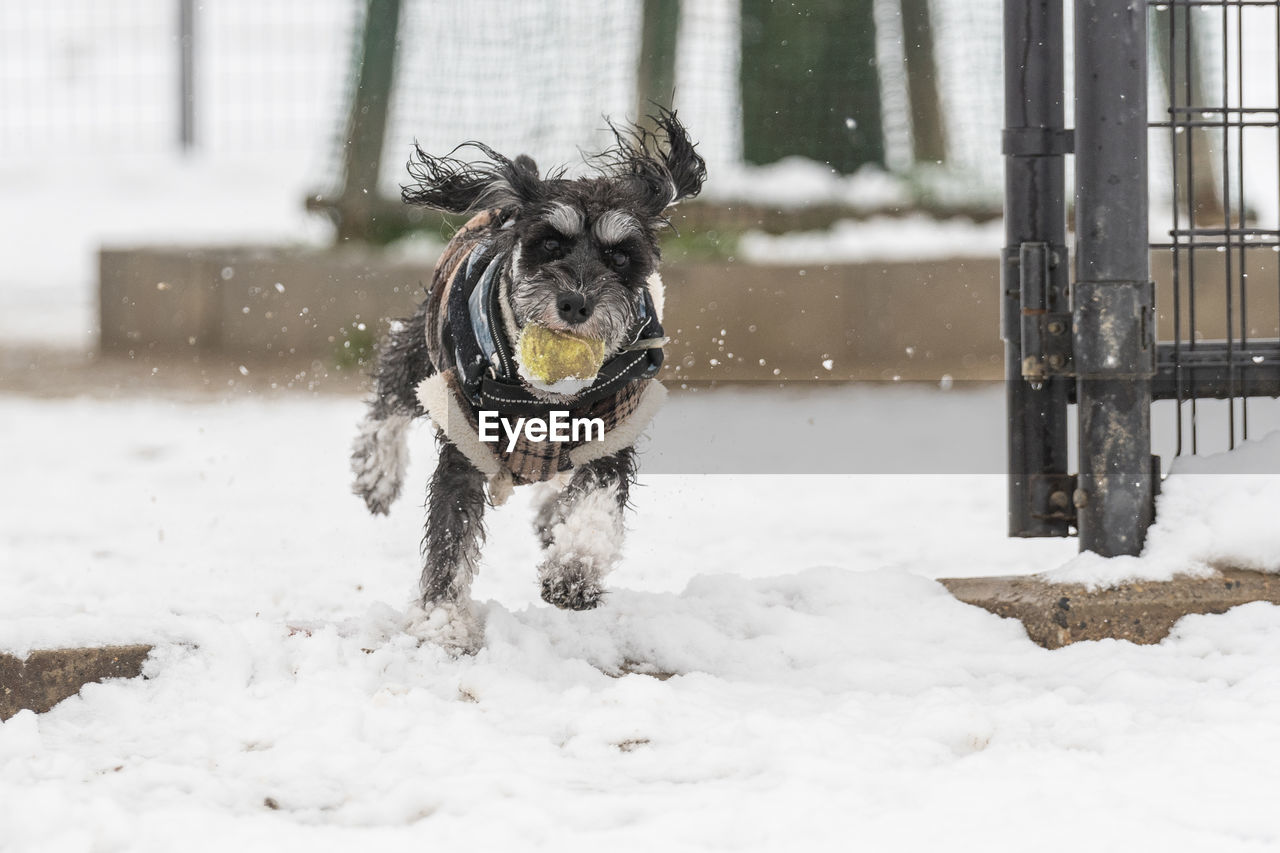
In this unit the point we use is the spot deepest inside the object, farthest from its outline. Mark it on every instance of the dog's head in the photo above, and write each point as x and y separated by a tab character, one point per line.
582	249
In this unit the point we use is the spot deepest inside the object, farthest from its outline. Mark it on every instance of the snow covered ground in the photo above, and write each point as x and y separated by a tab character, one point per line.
1215	510
828	694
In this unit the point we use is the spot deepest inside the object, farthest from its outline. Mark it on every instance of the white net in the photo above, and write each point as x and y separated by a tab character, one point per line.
540	77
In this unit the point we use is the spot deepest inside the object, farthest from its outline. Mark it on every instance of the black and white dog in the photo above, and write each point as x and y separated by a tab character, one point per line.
576	256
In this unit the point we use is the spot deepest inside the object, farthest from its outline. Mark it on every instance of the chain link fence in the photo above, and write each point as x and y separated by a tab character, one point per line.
108	77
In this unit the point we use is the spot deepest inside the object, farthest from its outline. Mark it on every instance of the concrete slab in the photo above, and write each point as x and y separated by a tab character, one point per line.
727	320
48	676
1056	615
249	302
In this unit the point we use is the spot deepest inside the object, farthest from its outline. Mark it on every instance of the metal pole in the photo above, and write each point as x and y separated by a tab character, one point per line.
1035	216
1113	297
186	74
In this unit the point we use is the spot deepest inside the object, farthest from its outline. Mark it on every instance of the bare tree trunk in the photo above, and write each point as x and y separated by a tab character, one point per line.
367	123
656	73
928	131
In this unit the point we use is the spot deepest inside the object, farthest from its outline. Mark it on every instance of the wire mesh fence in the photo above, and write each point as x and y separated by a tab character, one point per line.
1221	134
1174	296
93	72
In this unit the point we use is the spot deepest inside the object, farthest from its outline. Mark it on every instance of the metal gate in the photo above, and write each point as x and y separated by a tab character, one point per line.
1082	331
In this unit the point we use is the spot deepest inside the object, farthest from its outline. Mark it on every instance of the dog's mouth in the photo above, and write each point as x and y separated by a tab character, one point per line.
556	361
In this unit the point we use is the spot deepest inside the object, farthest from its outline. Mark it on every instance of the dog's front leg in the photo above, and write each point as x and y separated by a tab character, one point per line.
451	551
585	532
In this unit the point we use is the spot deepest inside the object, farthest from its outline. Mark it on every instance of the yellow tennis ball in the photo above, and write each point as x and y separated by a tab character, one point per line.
551	356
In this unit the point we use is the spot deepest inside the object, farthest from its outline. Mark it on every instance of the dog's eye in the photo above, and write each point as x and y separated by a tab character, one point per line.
619	260
551	246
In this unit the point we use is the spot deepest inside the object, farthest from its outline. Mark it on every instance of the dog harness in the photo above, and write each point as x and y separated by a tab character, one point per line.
469	325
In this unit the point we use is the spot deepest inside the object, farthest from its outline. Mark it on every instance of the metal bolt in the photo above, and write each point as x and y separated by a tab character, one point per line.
1059	500
1055	361
1057	327
1080	499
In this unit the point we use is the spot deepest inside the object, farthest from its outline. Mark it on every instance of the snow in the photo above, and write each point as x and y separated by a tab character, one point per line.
181	498
825	691
881	238
825	687
1216	510
798	182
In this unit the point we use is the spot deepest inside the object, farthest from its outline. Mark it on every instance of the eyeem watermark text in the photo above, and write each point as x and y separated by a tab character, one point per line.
557	427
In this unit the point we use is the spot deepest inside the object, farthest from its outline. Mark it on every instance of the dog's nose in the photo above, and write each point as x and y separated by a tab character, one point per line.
573	307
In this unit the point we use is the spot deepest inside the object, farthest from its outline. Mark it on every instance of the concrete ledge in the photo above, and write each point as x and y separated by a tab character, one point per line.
48	676
1058	614
727	320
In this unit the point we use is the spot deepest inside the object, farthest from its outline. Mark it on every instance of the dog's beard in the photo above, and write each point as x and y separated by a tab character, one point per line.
616	312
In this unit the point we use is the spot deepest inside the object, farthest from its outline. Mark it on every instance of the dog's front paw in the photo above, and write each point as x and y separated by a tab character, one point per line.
571	586
454	626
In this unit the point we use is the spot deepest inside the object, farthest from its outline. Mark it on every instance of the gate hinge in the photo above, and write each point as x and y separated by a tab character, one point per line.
1046	334
1115	329
1053	497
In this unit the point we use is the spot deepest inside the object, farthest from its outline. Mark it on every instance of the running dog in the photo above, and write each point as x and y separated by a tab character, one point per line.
544	309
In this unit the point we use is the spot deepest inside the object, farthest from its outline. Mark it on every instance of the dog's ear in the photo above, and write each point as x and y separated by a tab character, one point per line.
663	171
459	186
688	170
524	161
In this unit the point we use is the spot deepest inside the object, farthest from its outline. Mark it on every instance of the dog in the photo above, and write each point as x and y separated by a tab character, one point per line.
543	257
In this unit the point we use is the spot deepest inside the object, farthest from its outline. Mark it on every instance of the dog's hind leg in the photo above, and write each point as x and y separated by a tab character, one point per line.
585	532
380	454
451	550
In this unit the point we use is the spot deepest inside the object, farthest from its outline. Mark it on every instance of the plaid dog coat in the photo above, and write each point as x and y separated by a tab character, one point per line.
470	332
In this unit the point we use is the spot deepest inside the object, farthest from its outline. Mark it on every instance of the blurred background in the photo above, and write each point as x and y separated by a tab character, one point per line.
204	195
287	123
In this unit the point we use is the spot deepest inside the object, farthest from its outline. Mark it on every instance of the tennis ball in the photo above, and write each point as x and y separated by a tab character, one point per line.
550	356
